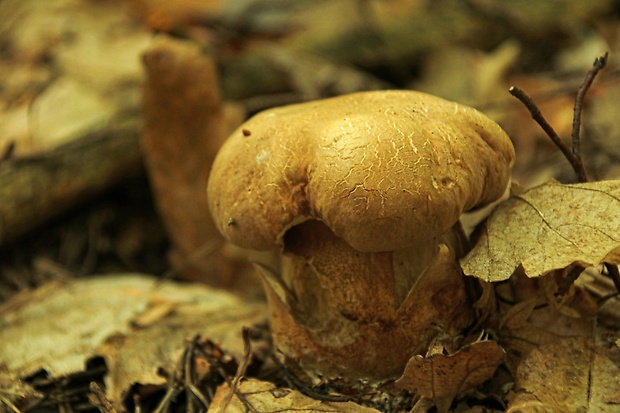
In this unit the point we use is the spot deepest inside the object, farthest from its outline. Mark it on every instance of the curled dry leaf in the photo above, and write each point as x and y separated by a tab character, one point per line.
442	377
259	396
549	227
567	375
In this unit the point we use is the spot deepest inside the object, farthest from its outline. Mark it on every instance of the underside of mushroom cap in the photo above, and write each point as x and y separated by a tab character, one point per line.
383	169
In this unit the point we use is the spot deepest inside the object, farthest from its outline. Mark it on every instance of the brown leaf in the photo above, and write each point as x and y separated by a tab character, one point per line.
59	311
142	321
259	396
567	375
549	227
528	325
442	377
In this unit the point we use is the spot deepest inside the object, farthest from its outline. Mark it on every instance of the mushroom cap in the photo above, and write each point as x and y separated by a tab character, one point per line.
384	170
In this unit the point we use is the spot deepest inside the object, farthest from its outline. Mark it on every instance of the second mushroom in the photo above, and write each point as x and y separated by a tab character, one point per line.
363	194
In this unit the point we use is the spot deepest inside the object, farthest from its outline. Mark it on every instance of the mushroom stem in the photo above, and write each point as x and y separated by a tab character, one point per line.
363	315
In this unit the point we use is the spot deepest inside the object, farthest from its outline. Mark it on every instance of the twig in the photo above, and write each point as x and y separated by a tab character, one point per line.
198	395
243	366
182	379
171	393
6	402
244	400
551	133
572	155
296	383
105	406
599	63
189	377
188	373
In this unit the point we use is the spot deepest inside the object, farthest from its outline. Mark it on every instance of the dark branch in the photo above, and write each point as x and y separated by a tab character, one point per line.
540	119
573	156
599	63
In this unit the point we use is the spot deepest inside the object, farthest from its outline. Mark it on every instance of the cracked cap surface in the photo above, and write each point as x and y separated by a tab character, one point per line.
384	170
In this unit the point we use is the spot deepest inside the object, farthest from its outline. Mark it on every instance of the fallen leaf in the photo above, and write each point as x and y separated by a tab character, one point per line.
259	396
140	356
529	325
143	322
566	375
546	228
50	311
442	377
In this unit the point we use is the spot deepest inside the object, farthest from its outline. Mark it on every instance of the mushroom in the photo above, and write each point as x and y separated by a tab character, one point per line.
363	194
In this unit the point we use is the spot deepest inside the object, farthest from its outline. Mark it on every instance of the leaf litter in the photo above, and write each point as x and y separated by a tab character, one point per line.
546	228
569	374
144	330
136	323
442	377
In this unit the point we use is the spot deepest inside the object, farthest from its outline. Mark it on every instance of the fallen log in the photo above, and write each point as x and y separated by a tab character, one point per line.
36	188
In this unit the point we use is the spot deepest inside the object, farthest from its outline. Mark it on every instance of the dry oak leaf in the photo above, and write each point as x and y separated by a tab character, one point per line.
259	396
566	375
546	228
442	377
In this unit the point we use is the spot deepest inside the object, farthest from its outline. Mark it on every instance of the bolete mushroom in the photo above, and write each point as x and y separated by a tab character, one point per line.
363	194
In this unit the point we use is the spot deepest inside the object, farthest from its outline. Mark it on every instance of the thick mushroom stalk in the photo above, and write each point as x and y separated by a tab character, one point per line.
363	195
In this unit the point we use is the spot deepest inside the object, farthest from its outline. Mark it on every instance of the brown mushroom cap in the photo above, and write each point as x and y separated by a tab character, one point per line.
384	170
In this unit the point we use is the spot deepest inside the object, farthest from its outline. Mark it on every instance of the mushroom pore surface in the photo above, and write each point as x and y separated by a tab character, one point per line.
383	170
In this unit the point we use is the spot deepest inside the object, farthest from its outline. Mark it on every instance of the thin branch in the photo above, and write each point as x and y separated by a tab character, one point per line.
224	374
173	390
298	384
6	402
540	119
241	369
599	63
104	405
188	373
573	156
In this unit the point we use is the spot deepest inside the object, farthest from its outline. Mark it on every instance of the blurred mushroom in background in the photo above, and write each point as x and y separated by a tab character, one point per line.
185	123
